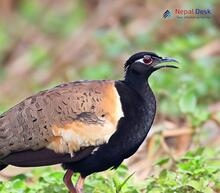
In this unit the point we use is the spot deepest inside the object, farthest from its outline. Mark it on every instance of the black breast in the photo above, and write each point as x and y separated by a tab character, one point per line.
139	107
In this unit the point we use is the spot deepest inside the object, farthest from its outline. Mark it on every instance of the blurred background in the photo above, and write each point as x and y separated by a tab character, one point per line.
47	42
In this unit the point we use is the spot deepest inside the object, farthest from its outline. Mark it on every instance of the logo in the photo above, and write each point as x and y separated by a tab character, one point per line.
167	14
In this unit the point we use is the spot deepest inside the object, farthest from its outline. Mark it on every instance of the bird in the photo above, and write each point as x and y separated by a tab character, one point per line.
88	126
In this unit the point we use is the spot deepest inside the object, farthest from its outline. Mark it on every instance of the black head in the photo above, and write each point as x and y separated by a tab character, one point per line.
145	63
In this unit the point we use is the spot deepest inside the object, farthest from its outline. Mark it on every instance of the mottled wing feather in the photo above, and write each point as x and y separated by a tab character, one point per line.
64	119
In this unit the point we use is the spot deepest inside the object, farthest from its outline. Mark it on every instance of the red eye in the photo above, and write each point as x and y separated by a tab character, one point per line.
147	60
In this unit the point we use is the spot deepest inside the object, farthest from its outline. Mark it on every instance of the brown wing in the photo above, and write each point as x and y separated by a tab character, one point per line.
64	119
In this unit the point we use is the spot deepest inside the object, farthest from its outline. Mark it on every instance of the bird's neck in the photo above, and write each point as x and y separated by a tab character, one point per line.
147	104
139	107
139	83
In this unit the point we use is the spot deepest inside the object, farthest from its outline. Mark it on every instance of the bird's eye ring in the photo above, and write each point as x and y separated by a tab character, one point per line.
148	60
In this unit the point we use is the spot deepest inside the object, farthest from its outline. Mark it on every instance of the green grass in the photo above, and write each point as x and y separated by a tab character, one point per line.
197	171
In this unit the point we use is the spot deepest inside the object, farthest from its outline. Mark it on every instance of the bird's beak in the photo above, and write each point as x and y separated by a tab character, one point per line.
163	60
